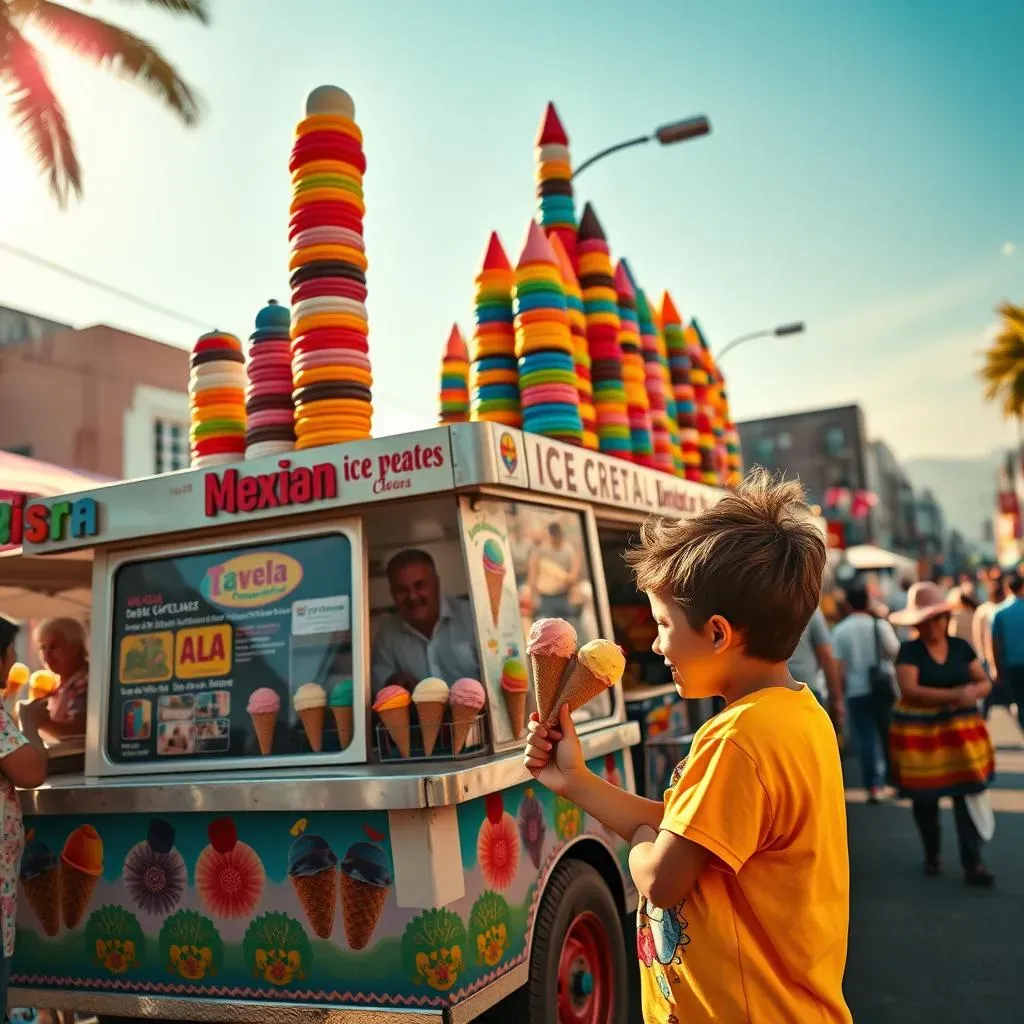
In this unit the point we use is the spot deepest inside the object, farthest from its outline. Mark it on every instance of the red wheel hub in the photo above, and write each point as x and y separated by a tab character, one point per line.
586	982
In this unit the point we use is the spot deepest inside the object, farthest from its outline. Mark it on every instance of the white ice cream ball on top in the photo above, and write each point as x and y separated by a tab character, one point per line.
329	99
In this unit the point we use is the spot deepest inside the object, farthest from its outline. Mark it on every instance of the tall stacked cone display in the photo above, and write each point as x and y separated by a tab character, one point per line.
269	407
655	384
580	353
633	373
682	387
329	327
547	372
702	398
555	202
216	392
493	370
455	379
600	306
671	413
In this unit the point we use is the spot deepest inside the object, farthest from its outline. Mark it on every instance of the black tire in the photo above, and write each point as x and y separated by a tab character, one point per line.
573	889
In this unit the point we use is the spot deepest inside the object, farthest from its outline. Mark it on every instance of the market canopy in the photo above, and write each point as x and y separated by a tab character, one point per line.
866	557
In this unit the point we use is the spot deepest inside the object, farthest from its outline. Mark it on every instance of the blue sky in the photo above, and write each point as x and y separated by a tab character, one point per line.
864	174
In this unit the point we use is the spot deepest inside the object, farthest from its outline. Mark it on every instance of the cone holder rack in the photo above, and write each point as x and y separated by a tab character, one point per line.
475	745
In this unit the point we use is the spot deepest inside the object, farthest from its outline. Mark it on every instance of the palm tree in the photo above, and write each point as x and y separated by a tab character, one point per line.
35	109
1002	373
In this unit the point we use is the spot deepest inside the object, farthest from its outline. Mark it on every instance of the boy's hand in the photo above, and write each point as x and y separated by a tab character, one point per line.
554	756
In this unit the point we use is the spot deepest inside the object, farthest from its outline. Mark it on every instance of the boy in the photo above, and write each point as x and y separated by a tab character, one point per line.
742	869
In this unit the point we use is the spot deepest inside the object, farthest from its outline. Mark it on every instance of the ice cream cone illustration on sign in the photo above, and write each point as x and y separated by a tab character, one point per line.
598	665
40	881
513	688
431	698
81	864
392	705
310	703
312	869
494	575
366	880
551	645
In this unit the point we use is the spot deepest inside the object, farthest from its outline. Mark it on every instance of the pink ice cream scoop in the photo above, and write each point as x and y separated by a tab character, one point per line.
551	637
467	693
264	701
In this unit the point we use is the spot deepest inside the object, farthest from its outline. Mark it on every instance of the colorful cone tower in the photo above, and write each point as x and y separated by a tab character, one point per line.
682	387
455	379
330	351
701	379
633	373
547	372
217	400
671	413
556	205
494	371
654	382
600	306
580	353
270	410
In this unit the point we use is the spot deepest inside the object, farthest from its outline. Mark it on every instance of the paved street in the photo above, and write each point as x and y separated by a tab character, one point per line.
930	950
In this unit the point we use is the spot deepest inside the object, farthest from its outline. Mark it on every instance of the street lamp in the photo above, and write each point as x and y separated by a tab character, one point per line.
782	331
667	135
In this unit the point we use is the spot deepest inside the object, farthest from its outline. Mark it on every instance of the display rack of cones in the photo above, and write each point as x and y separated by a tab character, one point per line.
329	327
493	369
682	387
455	379
547	371
600	306
556	207
634	375
216	395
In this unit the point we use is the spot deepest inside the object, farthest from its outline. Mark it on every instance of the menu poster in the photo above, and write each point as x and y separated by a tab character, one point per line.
210	650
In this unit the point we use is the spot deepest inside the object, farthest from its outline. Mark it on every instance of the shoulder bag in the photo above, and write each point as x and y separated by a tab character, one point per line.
881	676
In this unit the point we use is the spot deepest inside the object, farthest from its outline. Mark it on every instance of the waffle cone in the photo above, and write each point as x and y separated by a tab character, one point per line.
316	894
396	721
313	723
431	714
76	888
263	725
343	720
361	904
548	670
579	687
462	719
515	705
495	589
43	894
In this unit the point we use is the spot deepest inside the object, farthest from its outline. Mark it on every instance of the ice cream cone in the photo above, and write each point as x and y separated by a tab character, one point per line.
495	588
462	719
431	714
343	720
548	670
515	705
579	686
396	721
361	905
313	723
264	724
76	888
316	894
43	894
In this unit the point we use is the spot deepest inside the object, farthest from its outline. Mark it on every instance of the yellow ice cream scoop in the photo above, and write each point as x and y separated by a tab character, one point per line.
603	659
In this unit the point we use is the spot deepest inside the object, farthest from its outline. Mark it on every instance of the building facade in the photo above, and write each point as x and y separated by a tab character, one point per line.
97	399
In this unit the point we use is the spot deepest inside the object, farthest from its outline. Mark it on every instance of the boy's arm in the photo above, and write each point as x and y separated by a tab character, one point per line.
665	867
619	811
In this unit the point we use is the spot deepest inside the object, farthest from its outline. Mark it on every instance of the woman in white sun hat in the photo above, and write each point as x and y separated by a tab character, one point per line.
938	742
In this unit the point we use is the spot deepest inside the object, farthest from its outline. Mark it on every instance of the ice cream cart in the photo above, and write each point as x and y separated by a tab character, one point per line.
249	838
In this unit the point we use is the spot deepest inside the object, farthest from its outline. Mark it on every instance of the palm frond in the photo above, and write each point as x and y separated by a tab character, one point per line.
198	9
113	48
38	115
1002	371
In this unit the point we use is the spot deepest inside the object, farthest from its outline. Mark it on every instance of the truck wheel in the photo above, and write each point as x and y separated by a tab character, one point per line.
578	972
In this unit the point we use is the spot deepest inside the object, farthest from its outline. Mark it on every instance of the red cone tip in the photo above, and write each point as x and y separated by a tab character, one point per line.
551	130
564	263
590	227
537	248
494	257
623	285
669	314
456	345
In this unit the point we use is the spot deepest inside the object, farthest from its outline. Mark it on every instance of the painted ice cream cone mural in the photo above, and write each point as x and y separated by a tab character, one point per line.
229	874
493	559
310	703
40	881
430	697
392	707
340	704
81	864
597	666
551	645
263	707
366	880
455	379
514	686
532	828
556	206
466	699
154	871
313	872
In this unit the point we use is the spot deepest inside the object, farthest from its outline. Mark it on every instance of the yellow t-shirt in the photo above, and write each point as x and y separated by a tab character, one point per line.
761	938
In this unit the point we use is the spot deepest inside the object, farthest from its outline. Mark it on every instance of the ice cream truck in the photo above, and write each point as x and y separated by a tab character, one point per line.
267	825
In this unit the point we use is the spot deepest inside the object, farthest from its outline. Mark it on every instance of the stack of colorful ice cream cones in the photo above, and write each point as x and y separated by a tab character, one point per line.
455	379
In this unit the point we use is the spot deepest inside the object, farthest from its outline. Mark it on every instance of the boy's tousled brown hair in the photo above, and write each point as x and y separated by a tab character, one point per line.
755	558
